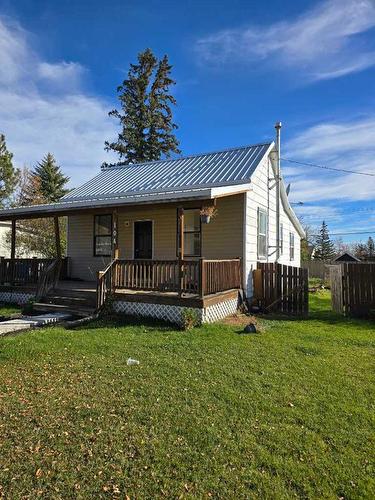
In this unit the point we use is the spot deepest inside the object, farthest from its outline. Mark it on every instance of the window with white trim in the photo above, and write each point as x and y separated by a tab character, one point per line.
192	232
262	233
291	246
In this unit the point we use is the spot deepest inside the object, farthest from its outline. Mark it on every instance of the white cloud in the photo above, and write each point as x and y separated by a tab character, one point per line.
43	107
348	146
321	43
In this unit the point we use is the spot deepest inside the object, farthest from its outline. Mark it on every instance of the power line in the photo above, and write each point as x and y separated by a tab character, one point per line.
315	165
353	232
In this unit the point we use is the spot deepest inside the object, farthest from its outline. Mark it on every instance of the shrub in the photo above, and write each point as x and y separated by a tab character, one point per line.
189	319
28	308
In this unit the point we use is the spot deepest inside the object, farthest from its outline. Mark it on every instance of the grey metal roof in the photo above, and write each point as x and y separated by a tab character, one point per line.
233	166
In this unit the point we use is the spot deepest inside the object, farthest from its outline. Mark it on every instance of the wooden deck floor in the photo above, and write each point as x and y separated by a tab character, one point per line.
146	296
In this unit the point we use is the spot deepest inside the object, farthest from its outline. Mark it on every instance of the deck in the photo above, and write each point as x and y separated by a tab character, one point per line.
154	285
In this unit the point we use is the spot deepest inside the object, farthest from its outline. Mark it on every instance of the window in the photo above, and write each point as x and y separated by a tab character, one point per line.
192	233
281	239
291	246
103	235
262	233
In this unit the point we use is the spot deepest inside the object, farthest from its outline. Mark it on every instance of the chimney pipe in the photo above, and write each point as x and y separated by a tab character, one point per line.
278	178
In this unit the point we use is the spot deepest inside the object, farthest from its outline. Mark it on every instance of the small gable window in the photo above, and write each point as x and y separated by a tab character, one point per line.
262	233
291	246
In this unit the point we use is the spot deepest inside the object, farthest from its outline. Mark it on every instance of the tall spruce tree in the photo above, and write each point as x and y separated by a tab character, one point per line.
52	180
146	116
8	174
324	247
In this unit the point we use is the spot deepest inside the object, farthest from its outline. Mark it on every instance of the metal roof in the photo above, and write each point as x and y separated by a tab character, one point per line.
232	166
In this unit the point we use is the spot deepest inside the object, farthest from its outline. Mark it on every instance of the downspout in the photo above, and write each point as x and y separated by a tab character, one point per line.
278	130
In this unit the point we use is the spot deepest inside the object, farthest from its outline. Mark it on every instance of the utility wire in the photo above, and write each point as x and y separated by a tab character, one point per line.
344	234
328	168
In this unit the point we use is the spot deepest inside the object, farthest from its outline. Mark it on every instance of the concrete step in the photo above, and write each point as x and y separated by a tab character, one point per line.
61	308
27	322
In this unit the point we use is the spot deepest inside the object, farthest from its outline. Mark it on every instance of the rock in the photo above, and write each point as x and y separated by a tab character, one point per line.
250	328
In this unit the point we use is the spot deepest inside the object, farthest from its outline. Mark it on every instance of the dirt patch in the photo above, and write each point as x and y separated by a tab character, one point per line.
241	320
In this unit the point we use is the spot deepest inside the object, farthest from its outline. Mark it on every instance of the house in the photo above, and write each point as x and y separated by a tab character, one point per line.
136	231
5	230
346	257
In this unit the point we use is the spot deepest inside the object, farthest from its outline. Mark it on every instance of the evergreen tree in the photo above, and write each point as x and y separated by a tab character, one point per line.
52	180
370	248
160	138
324	247
365	251
8	174
146	115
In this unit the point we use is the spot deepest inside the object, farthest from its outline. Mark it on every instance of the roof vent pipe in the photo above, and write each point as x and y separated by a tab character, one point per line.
278	178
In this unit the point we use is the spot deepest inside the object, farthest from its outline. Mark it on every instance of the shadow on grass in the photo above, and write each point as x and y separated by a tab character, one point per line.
123	320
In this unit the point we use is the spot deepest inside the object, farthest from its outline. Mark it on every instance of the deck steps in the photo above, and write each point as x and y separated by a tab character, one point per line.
77	302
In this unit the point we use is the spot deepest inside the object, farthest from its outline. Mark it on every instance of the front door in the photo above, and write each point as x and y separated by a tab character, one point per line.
143	239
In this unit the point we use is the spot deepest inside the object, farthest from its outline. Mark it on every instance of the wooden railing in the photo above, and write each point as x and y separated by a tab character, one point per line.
105	285
27	271
49	278
196	277
158	275
220	275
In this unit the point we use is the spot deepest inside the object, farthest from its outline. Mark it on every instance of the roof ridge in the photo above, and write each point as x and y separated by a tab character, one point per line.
130	165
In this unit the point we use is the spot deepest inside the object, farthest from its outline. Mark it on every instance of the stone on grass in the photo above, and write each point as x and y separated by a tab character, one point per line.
250	328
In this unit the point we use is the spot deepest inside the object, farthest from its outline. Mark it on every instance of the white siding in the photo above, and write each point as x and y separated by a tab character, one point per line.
263	197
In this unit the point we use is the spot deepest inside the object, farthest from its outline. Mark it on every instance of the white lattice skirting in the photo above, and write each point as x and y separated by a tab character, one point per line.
16	297
173	314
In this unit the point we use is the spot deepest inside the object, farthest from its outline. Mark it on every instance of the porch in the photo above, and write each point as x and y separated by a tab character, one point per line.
155	288
147	259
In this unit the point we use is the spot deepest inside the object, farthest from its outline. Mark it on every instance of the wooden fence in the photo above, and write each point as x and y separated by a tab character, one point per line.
353	288
280	288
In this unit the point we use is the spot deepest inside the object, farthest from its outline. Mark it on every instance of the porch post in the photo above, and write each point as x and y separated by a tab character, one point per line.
115	249
181	249
57	237
12	251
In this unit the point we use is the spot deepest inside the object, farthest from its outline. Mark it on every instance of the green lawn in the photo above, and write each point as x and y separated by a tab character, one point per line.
9	309
287	413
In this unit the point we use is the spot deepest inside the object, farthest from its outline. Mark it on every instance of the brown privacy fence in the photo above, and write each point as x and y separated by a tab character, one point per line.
281	288
27	271
353	288
317	268
197	277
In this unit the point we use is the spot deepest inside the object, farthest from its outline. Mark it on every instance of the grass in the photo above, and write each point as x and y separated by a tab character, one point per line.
8	309
288	413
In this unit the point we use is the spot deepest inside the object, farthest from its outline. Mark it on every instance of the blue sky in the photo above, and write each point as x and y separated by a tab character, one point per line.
239	66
